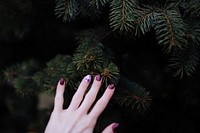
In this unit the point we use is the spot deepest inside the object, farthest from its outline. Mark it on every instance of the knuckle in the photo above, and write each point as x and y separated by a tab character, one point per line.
58	99
102	102
58	102
90	122
93	118
90	97
78	97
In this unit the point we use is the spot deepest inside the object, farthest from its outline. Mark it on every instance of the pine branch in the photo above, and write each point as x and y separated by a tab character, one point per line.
25	87
194	8
185	61
194	32
91	58
48	77
89	53
109	72
133	95
122	14
170	30
20	77
98	3
145	20
89	11
68	9
173	4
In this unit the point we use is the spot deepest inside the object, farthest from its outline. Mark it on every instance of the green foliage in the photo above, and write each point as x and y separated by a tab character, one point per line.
133	96
89	54
193	7
69	9
173	29
89	58
20	77
185	61
98	3
47	78
72	9
194	32
122	14
88	11
168	21
145	20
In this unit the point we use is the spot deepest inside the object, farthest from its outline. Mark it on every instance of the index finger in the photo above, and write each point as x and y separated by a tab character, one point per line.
58	101
78	96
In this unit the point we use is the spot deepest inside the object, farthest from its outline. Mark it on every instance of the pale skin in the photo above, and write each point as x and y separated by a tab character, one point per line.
77	118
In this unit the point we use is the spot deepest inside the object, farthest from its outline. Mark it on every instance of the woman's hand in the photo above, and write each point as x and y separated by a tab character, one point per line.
76	118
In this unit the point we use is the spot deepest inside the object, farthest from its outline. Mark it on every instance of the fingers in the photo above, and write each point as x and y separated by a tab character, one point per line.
78	96
91	95
58	102
111	128
102	102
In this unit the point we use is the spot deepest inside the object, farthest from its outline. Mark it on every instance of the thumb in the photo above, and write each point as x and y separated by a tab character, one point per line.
111	128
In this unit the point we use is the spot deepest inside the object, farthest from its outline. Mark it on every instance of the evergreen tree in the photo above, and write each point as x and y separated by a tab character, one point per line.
174	24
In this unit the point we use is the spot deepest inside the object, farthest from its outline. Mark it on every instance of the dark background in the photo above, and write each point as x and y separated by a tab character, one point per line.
40	35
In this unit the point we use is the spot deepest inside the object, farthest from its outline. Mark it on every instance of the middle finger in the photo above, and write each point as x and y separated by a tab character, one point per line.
91	95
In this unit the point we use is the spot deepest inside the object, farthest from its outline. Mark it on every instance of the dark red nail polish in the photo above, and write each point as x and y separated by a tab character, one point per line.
111	86
98	77
62	81
114	127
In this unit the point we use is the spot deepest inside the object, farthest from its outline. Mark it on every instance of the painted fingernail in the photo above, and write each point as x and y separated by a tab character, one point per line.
111	86
88	78
98	77
114	127
62	81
